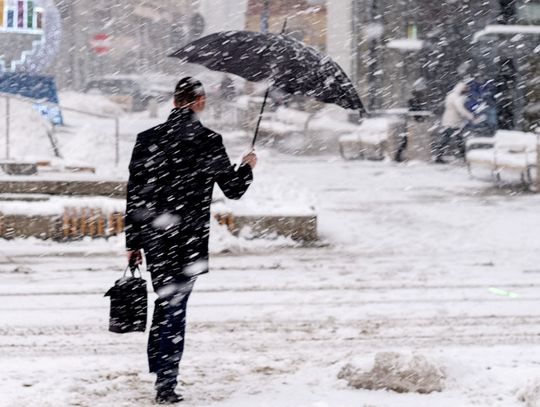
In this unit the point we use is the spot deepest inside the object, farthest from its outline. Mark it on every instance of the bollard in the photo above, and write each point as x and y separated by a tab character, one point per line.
82	220
100	224
538	163
7	128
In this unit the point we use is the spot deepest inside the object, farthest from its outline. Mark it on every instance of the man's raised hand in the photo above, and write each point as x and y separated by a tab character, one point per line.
250	159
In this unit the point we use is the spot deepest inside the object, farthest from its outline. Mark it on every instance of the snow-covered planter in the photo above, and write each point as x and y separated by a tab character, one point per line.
397	372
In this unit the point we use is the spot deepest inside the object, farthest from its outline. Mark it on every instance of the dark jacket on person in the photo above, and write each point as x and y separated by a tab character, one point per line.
173	170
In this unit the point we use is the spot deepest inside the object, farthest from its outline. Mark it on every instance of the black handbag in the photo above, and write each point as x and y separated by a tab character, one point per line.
129	303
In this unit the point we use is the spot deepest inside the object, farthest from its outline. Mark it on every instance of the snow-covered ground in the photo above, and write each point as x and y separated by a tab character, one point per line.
411	254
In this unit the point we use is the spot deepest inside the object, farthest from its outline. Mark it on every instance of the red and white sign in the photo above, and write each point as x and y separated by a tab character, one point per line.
101	43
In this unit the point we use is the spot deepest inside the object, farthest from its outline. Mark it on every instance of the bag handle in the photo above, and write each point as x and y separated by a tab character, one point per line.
132	269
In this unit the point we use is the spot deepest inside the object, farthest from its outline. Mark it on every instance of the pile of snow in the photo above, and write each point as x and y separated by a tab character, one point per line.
85	140
28	132
531	394
397	372
223	241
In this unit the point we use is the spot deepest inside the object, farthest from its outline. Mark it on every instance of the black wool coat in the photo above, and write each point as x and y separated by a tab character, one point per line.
173	170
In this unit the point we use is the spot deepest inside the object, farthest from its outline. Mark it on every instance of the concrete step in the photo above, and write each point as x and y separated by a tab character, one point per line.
24	197
78	222
75	187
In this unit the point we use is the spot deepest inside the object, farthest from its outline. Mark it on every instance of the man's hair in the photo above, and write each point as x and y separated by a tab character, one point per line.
187	90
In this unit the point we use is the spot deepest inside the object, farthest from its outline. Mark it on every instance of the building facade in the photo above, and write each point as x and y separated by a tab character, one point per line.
122	37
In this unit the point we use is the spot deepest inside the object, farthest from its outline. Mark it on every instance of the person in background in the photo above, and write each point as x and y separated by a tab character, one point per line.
417	103
454	119
481	102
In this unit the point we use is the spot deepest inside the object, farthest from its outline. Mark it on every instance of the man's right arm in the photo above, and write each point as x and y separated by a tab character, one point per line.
134	199
141	191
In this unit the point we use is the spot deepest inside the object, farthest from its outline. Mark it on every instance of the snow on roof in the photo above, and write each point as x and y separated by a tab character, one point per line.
405	44
503	29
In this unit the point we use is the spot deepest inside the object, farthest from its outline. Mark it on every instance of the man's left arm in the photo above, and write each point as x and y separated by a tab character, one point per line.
233	182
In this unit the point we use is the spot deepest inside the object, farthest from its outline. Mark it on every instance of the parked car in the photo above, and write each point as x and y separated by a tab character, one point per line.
133	93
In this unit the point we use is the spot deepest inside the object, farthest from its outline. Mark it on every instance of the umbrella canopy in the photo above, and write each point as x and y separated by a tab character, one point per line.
287	63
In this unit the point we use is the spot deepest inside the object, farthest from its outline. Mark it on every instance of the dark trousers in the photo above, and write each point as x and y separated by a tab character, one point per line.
167	334
442	146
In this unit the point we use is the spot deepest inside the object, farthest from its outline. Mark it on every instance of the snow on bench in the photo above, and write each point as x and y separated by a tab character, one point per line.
507	150
369	140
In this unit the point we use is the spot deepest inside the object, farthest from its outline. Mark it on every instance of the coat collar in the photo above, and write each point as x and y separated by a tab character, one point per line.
182	114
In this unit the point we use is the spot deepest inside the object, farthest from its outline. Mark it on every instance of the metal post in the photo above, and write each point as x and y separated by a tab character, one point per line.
265	16
374	56
355	12
537	162
7	127
117	141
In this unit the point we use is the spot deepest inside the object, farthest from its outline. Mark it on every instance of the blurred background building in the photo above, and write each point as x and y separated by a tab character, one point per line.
397	46
125	36
390	48
306	20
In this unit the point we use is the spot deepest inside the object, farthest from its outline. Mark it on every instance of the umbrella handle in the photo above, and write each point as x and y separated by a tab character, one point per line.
283	30
260	118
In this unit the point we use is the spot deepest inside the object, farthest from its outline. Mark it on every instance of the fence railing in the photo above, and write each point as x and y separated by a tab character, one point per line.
8	97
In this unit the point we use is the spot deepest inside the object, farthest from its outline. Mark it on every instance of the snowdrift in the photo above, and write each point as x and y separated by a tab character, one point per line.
397	372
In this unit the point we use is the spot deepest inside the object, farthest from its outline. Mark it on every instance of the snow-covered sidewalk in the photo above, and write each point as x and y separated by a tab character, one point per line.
412	254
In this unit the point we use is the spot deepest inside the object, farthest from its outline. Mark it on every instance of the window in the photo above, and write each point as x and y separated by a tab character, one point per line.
412	30
11	18
508	11
20	14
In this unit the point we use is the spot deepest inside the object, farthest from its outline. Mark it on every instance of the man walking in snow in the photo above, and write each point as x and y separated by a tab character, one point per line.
173	170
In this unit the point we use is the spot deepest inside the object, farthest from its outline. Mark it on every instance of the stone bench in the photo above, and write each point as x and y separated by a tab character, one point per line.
507	151
374	139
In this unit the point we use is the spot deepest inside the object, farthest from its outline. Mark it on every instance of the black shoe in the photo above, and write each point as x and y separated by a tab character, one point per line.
168	397
439	161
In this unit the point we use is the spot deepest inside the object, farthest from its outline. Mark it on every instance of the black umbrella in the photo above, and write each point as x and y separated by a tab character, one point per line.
288	64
